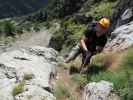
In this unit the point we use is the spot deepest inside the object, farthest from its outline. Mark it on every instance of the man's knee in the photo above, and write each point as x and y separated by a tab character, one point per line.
86	59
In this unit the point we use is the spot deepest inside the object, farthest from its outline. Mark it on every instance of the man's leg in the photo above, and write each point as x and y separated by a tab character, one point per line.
73	54
85	61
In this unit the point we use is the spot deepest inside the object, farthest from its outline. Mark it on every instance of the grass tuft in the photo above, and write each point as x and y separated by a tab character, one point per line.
28	76
19	88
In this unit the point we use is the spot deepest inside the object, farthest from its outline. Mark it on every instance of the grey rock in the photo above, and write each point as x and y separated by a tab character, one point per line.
99	91
35	93
38	61
48	53
127	14
122	14
122	38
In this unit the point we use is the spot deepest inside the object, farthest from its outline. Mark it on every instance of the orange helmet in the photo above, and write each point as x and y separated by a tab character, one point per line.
105	22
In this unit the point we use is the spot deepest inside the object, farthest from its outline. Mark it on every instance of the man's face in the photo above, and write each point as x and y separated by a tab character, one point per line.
101	30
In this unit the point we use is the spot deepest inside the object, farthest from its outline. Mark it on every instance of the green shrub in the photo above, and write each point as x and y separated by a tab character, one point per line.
28	29
104	60
36	29
18	88
102	9
81	80
76	33
61	92
67	36
112	0
28	76
122	78
7	40
126	93
128	60
57	41
19	30
115	77
9	28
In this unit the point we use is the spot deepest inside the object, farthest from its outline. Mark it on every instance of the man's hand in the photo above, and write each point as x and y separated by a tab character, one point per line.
85	49
87	52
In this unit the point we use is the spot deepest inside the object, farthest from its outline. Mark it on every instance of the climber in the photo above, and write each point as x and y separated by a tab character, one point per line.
93	42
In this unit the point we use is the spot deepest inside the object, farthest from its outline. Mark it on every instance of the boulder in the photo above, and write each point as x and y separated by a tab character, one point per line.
127	14
37	62
35	93
99	91
123	13
122	38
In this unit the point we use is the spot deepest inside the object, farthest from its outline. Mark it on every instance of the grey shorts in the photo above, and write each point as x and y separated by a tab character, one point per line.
77	51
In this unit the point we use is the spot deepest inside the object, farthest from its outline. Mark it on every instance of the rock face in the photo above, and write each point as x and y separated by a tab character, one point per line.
123	13
122	38
34	67
99	91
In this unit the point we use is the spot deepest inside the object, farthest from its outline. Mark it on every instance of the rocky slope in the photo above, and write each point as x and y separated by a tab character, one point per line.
122	36
28	68
27	74
123	13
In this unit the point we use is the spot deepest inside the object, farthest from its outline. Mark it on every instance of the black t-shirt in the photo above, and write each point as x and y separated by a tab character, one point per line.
93	40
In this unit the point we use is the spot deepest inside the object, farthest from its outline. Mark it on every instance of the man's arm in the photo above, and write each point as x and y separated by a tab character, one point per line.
88	33
82	42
